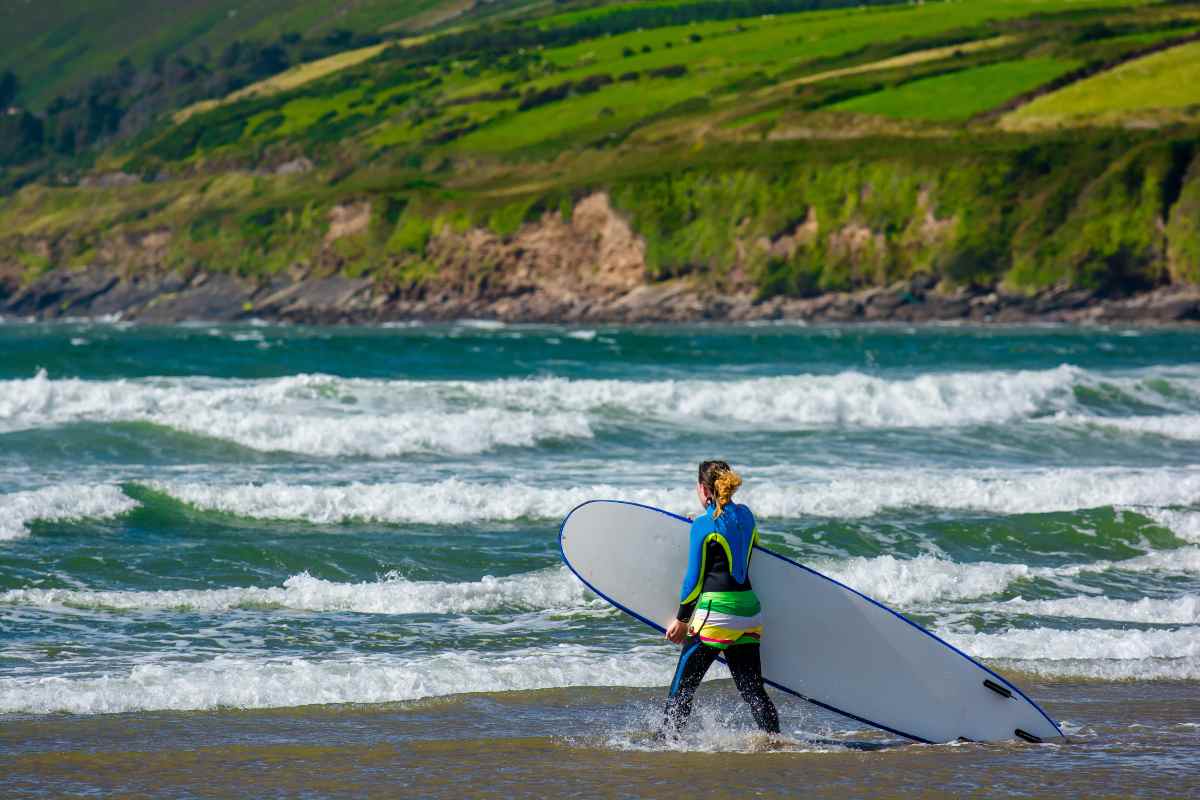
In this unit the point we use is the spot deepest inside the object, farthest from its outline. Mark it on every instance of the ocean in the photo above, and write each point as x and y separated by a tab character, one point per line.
277	561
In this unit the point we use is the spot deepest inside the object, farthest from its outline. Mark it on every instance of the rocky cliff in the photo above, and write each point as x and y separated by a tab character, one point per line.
1001	229
590	268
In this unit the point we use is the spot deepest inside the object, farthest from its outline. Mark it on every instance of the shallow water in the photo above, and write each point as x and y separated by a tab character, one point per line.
287	561
1127	740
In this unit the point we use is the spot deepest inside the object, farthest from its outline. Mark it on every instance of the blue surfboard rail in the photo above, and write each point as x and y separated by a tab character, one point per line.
1004	681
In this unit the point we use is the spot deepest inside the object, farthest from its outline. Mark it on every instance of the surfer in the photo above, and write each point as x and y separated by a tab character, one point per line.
719	612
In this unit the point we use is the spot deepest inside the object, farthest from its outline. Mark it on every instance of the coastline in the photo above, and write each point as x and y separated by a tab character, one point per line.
169	297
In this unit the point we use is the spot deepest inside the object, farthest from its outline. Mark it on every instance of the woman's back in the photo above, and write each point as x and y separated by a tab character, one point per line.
728	541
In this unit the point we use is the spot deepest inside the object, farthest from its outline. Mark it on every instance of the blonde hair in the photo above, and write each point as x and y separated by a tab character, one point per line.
721	482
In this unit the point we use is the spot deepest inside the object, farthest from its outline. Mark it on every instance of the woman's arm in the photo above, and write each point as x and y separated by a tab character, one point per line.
693	578
693	582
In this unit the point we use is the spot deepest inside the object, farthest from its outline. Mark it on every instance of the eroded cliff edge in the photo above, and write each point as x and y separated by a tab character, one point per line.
1049	231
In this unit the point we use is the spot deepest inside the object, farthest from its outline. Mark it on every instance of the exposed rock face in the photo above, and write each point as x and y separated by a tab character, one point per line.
620	255
785	246
932	231
170	297
297	166
547	270
348	220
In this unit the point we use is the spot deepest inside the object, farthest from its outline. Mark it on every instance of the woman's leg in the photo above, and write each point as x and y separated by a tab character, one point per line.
694	660
744	663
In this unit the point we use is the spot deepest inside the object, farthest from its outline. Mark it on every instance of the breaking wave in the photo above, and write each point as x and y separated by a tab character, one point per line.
926	579
547	589
1174	611
1105	654
288	682
324	415
311	415
63	502
840	494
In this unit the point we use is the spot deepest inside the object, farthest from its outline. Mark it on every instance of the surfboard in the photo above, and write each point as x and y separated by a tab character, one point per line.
823	641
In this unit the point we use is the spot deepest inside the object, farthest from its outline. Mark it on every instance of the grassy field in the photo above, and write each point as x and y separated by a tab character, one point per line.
787	42
721	57
958	96
1164	81
898	62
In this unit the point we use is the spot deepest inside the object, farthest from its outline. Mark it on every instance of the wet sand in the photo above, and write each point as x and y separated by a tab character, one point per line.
1126	740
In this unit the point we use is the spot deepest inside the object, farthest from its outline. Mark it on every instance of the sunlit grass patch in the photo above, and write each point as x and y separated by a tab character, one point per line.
1168	80
612	108
957	96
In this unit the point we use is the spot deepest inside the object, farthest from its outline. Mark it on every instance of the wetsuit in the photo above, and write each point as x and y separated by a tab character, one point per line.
725	615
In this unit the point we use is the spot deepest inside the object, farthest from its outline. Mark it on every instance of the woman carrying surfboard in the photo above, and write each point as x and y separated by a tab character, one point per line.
719	612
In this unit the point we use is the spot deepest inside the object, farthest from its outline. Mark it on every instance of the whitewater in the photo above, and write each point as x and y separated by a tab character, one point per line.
277	521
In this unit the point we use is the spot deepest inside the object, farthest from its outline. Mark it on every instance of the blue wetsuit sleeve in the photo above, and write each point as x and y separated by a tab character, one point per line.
693	579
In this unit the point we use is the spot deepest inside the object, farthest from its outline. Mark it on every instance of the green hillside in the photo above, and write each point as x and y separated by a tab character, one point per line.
794	146
491	95
58	45
960	95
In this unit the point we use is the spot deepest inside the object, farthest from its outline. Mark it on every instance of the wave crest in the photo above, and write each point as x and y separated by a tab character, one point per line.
547	589
281	683
844	494
330	416
63	502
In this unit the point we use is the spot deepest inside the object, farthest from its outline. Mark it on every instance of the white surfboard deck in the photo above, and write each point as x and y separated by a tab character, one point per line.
823	641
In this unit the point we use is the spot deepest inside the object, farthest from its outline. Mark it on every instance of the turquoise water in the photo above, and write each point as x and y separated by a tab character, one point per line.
199	519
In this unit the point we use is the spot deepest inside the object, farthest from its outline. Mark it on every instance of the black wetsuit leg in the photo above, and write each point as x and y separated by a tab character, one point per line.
694	661
746	667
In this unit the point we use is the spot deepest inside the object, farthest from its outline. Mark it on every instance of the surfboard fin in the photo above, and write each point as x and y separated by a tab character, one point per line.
1029	737
1003	691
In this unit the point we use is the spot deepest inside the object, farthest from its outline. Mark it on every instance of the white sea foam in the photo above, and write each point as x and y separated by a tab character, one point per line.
1171	426
246	683
805	401
482	324
927	579
1165	611
1089	652
923	579
1179	561
442	502
860	493
1184	524
1150	669
315	415
467	432
327	415
67	501
287	682
547	589
842	494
